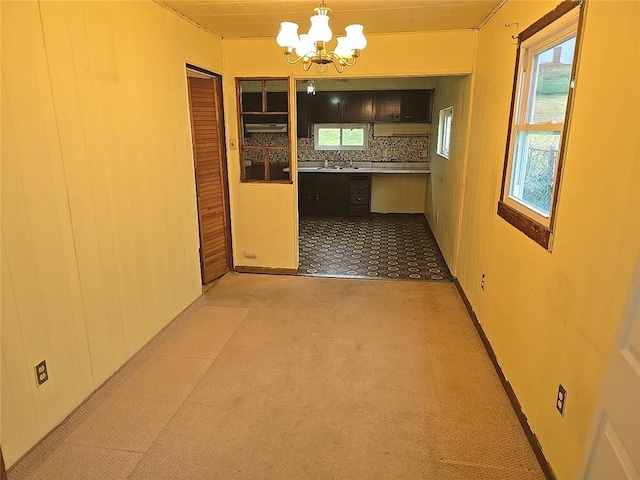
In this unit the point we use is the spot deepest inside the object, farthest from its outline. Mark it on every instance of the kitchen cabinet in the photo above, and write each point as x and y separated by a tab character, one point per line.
325	107
416	106
302	114
334	194
357	107
341	107
387	106
403	106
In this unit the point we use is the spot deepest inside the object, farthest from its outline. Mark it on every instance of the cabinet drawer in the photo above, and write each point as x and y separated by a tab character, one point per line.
359	187
358	210
359	199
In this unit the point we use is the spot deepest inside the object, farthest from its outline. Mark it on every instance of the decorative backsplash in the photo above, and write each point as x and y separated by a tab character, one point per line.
380	149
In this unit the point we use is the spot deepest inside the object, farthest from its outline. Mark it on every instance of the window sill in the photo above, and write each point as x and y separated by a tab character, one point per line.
536	232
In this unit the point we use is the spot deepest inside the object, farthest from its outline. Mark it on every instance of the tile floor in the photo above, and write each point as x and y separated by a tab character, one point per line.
389	246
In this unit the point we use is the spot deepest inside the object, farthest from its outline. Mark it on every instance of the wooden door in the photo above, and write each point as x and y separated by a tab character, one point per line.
210	173
615	450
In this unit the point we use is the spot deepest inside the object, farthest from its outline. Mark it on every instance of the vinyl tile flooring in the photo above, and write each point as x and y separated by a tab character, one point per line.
294	377
392	246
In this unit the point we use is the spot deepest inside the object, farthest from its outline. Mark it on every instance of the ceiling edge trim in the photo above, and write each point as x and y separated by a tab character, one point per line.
492	13
185	18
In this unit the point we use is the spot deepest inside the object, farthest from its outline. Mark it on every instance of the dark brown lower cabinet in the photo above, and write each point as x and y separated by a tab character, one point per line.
334	194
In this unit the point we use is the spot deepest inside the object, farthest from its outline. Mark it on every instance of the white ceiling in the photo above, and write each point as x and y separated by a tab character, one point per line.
251	18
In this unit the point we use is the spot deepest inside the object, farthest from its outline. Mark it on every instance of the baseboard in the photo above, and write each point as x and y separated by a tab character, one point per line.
267	270
187	312
522	418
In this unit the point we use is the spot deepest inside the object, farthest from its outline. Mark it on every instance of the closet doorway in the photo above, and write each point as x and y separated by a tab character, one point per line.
210	167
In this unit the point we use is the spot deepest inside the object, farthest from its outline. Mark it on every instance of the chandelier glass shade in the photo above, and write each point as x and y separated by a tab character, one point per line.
311	48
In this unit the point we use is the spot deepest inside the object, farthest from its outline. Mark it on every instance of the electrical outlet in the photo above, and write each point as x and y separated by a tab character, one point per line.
41	372
482	282
250	254
561	400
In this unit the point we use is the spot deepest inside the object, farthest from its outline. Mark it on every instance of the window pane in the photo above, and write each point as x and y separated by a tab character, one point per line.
353	137
549	90
278	161
254	164
328	137
534	168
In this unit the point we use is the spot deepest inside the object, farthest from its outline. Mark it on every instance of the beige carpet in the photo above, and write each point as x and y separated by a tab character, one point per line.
281	377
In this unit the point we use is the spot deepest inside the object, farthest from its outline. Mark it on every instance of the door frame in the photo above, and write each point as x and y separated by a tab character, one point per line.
219	100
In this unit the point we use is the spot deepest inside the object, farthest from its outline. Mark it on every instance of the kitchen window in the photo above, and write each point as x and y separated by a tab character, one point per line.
541	101
340	136
444	131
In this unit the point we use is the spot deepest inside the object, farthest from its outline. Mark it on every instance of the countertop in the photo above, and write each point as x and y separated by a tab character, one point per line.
366	167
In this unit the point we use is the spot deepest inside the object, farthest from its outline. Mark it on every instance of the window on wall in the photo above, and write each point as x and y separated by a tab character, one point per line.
340	136
444	131
544	83
263	104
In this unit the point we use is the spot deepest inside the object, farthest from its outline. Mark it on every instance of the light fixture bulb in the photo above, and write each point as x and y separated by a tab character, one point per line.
320	30
311	88
305	47
343	49
288	35
356	37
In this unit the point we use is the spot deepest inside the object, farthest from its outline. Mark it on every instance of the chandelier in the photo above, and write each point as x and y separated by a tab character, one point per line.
311	48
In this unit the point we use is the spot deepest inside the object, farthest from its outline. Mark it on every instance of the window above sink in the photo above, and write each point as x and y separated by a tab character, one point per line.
340	136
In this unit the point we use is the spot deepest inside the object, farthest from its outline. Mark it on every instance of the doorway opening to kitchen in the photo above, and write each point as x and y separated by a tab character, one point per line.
363	149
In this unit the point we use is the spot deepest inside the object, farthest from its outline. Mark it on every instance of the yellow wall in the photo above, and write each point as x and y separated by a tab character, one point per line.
99	227
398	192
551	317
445	188
264	217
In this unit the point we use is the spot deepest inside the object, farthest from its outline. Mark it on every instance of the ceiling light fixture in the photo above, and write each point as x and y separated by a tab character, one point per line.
311	87
311	47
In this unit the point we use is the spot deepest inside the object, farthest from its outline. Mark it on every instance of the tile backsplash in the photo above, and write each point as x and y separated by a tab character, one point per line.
380	149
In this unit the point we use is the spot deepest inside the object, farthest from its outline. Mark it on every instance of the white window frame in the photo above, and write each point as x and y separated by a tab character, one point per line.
341	126
445	125
564	22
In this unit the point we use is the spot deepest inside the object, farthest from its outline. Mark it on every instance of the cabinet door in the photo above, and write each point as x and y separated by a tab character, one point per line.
387	106
416	105
357	107
325	107
331	198
305	194
301	109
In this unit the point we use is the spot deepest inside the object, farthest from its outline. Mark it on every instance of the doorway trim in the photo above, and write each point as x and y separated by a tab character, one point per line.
219	99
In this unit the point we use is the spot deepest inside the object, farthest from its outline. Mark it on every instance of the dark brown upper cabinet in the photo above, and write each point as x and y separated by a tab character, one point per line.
416	106
382	106
387	106
325	107
302	110
403	106
357	107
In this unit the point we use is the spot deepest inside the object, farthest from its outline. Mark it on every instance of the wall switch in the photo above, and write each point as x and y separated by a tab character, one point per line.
41	372
437	217
561	400
250	254
482	282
